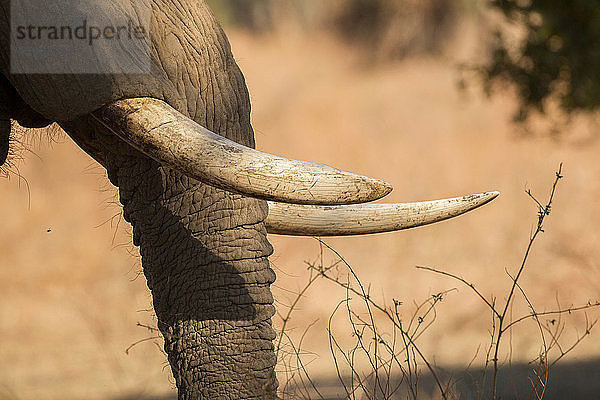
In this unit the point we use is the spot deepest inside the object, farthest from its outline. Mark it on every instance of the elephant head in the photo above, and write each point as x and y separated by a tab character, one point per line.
176	140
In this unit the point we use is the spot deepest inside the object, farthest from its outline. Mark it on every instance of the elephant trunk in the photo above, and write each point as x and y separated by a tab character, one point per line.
205	256
211	291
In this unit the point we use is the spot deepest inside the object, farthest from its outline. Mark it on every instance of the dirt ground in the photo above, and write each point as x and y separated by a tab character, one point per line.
71	291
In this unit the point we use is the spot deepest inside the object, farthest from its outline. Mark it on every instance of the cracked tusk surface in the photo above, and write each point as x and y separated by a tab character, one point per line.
162	133
299	220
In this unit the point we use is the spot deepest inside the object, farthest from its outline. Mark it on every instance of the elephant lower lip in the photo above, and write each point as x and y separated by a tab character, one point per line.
3	153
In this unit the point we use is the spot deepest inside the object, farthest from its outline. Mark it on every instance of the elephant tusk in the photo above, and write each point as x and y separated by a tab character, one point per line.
162	133
299	220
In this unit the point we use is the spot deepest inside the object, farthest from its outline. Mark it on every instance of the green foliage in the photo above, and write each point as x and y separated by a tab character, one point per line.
558	59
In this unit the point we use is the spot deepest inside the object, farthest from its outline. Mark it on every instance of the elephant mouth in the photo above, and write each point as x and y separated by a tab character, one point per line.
305	198
4	141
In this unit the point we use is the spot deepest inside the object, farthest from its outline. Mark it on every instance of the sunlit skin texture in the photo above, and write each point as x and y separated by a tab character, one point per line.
204	250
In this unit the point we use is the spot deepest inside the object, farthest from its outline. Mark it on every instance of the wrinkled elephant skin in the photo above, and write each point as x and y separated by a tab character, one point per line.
204	250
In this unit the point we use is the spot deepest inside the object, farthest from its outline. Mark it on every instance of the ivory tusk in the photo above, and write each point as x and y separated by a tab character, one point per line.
162	133
299	220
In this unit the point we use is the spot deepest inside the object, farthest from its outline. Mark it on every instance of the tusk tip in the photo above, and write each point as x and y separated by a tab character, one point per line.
474	201
385	188
368	190
486	196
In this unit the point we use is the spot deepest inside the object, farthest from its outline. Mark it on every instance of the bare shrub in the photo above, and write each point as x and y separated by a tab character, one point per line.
397	365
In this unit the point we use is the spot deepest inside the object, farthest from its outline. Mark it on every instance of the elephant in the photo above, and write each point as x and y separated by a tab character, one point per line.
176	140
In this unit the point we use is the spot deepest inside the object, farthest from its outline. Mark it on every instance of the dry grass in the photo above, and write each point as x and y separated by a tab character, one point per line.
71	295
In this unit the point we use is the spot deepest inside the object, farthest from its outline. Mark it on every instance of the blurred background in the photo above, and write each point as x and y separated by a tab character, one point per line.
438	97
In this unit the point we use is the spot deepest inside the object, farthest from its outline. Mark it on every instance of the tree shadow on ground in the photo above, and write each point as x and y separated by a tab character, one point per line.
576	380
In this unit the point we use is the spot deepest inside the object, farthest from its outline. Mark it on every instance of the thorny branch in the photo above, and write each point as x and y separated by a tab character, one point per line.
500	318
